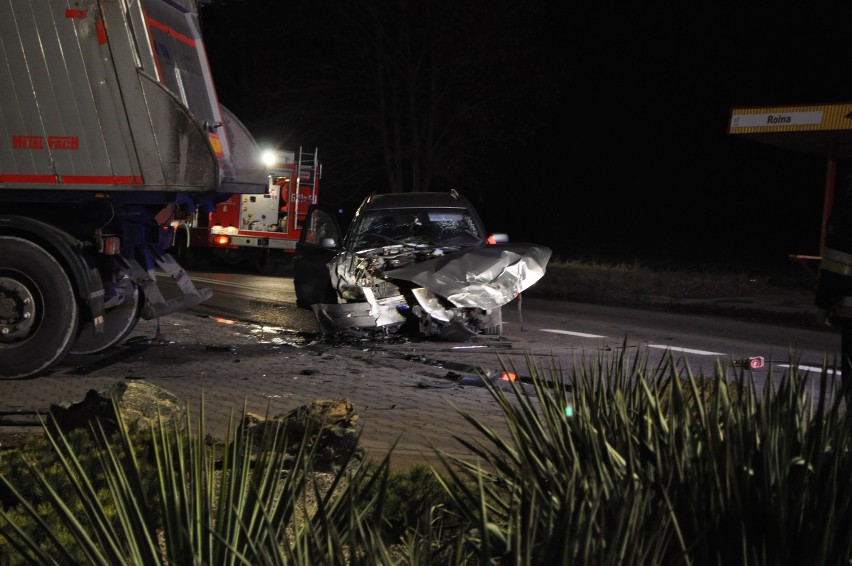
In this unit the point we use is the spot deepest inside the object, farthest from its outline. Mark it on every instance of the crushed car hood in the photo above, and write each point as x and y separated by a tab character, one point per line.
479	277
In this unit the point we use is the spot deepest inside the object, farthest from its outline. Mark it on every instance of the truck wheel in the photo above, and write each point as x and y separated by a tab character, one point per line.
38	309
119	321
264	263
182	253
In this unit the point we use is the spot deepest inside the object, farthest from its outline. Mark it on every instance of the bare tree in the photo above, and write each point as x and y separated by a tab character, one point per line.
401	95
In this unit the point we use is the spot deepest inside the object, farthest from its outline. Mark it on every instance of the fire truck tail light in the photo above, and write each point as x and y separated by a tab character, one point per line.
111	245
221	240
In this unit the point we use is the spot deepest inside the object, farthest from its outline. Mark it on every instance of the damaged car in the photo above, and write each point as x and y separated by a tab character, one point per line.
415	263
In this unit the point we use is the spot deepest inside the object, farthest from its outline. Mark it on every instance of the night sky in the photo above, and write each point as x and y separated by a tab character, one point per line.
597	130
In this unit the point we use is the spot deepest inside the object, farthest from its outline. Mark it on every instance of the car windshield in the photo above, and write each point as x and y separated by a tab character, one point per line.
431	227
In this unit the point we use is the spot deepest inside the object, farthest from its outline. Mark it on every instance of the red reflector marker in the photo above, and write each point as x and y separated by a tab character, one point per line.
508	376
112	245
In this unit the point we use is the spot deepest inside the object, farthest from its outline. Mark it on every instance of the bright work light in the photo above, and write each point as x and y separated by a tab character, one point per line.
269	158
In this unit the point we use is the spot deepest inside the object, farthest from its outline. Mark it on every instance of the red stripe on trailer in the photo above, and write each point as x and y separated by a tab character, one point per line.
27	178
169	31
76	14
103	179
151	23
102	38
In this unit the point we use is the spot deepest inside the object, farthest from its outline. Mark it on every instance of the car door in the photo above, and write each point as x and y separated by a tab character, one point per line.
320	241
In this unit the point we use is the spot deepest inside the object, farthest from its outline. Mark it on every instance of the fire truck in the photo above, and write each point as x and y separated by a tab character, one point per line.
259	229
109	121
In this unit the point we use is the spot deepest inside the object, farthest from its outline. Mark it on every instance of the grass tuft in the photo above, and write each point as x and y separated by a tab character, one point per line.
625	281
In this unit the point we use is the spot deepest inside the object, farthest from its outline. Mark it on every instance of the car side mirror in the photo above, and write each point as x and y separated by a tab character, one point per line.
328	243
498	238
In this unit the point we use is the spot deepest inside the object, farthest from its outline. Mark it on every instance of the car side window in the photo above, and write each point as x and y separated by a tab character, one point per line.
320	225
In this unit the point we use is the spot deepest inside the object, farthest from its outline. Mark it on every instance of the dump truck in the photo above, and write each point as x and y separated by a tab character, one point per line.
109	120
258	229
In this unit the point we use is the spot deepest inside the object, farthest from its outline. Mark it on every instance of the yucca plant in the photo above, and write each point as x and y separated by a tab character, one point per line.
205	505
620	462
615	461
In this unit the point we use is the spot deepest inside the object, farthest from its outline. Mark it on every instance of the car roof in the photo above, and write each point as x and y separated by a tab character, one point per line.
399	201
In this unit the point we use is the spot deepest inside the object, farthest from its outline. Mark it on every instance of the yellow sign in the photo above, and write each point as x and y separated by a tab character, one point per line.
822	117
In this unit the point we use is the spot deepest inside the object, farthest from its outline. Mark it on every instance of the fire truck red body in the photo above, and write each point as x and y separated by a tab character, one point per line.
255	228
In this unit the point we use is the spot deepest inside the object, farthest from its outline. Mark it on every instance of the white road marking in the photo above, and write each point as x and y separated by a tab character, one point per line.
809	368
685	350
568	332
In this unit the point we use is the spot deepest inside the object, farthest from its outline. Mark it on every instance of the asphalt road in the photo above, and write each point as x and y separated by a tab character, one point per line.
251	348
404	393
566	329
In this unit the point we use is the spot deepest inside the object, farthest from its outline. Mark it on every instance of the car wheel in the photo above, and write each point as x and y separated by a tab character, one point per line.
455	331
494	323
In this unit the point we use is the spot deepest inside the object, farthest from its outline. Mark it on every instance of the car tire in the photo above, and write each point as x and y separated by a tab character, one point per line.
494	326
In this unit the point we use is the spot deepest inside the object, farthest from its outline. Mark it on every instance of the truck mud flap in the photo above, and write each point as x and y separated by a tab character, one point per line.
157	305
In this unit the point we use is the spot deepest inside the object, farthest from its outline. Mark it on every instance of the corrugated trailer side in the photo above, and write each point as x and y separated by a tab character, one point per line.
108	118
111	94
55	91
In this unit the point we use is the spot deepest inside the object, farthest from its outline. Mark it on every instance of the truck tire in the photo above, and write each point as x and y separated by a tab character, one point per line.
182	252
38	309
119	321
265	263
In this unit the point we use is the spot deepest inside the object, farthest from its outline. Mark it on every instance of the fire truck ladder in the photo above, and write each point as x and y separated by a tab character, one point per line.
308	172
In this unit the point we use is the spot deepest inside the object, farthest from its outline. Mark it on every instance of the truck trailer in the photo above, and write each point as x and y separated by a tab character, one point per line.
259	229
109	121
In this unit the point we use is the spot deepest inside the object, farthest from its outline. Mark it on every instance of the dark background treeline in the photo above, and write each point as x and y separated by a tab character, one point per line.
597	130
